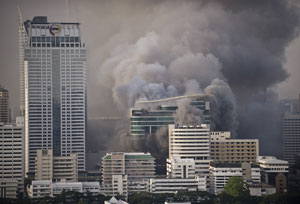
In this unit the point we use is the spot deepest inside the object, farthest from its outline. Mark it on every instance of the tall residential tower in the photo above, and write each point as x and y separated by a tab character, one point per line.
52	89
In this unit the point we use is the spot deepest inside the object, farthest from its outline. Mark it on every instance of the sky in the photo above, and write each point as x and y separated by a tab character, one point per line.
56	10
235	53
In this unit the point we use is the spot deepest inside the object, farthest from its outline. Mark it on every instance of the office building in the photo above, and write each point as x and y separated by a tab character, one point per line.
180	168
39	189
65	168
4	105
57	168
274	172
53	88
223	149
149	116
291	137
219	174
171	185
12	157
44	164
126	169
191	142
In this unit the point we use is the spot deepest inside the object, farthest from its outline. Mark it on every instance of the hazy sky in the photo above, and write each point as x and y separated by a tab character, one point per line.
94	15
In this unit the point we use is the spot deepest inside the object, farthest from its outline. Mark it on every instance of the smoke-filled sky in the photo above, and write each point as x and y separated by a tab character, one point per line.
239	54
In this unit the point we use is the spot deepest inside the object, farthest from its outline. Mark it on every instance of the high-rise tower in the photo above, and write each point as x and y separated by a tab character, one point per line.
53	86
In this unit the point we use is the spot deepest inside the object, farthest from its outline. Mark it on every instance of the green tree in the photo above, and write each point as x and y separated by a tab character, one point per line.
236	187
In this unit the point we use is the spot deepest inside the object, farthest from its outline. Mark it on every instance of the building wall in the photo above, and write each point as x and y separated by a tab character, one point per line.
291	137
170	185
55	90
226	150
44	164
191	142
136	167
11	153
65	168
4	105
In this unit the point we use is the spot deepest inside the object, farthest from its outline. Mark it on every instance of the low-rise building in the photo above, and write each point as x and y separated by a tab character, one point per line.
261	189
173	185
221	172
113	200
180	168
39	189
274	172
9	188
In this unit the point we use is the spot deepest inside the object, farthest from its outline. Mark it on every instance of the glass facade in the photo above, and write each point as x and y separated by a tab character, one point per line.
145	121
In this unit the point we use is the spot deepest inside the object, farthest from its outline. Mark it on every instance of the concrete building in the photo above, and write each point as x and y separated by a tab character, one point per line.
219	174
12	157
9	188
261	189
149	116
126	169
57	168
4	105
170	185
44	164
191	142
52	88
180	168
291	137
274	172
223	149
40	189
65	168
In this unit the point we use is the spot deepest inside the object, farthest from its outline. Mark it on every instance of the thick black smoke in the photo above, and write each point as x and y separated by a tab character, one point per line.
231	50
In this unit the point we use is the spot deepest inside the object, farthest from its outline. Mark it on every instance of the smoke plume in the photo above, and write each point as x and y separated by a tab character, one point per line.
230	51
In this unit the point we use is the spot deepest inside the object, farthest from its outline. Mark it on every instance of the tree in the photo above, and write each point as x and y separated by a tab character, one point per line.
236	187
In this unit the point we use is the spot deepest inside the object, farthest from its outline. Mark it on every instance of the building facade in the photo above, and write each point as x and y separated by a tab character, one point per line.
56	168
120	168
291	137
274	172
226	150
53	88
180	168
12	156
171	185
4	105
152	115
191	142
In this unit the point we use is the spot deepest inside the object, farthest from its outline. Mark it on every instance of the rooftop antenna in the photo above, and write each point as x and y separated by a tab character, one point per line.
67	10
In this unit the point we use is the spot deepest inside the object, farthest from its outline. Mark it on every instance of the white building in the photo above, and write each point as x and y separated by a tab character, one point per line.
171	185
274	172
180	168
53	88
12	157
39	189
220	173
191	142
113	200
